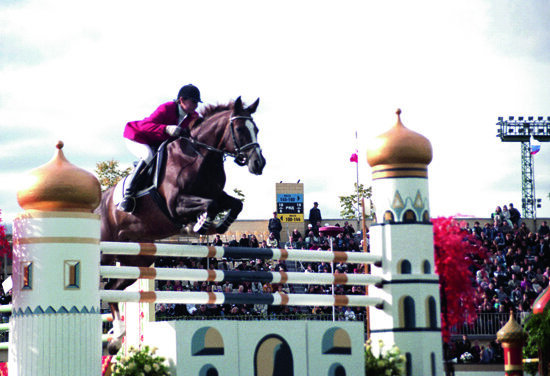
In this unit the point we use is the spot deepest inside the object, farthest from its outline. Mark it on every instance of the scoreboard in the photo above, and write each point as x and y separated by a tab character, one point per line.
290	207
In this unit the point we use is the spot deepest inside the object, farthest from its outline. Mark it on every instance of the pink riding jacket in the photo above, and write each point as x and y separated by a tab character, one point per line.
150	131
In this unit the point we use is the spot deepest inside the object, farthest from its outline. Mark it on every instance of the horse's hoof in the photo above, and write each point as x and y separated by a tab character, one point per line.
203	229
114	346
203	224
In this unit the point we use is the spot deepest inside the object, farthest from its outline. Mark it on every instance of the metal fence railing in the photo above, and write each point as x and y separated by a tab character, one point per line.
297	316
488	324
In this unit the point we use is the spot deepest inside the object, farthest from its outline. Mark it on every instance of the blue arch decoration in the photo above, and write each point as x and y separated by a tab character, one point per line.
273	356
207	341
336	341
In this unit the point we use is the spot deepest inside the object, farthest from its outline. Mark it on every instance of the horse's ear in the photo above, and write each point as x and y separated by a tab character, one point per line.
252	108
238	106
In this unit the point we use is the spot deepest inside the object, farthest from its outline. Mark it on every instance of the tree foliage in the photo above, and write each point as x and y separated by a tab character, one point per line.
348	204
108	173
455	251
538	342
239	194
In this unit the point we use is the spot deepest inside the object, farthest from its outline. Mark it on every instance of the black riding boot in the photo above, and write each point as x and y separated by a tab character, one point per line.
128	203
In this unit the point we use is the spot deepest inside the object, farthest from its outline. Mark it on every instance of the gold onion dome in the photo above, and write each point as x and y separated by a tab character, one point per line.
511	332
60	186
399	145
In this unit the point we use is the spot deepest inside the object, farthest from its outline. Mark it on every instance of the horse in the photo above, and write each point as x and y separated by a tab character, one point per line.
190	186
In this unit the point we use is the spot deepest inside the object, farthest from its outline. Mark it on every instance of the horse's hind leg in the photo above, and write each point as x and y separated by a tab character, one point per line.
119	330
234	207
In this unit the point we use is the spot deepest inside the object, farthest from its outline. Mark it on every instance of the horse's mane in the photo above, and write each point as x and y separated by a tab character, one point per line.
213	109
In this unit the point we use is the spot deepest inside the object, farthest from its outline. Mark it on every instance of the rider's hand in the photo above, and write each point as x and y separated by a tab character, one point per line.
173	131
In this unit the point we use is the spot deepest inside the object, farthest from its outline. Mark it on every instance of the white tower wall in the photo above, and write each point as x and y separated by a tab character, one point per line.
56	323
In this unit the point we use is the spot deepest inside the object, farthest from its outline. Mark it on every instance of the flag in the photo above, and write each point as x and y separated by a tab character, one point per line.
354	158
535	149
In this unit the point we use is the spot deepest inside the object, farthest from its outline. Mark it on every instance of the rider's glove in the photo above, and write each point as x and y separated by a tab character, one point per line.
173	131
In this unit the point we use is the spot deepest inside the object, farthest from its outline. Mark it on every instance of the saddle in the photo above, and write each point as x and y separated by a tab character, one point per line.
148	183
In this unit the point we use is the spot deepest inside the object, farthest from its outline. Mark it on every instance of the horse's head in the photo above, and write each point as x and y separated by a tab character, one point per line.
244	133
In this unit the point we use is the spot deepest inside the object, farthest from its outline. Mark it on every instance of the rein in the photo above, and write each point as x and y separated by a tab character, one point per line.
239	155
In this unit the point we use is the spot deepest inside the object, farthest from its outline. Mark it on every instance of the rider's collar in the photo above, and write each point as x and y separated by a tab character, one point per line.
181	114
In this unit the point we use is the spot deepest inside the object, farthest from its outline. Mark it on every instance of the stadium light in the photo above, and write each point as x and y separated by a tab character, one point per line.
522	130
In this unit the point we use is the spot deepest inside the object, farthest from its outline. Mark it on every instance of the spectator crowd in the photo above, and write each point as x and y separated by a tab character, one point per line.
517	267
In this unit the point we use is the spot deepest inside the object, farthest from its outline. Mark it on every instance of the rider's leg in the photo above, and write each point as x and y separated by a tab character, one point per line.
128	203
145	153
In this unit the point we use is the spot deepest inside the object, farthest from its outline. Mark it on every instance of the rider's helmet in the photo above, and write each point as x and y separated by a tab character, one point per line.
190	91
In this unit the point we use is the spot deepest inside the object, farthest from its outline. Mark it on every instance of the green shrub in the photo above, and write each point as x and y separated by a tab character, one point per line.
389	363
140	362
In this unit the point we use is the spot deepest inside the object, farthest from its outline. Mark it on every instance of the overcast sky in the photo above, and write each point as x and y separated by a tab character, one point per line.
78	71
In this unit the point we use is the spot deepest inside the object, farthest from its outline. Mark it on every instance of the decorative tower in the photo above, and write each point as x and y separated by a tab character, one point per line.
512	336
55	327
403	236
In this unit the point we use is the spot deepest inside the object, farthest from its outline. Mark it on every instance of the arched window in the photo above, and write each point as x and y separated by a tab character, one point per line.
409	315
409	216
426	217
208	370
389	217
336	341
337	369
273	356
408	364
431	309
207	341
405	267
426	267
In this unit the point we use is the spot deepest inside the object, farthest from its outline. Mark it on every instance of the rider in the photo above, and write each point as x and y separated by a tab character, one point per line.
172	119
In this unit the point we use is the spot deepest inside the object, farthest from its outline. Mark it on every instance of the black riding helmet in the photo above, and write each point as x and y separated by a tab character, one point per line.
190	91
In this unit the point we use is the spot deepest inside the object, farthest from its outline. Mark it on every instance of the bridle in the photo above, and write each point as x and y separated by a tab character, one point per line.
239	155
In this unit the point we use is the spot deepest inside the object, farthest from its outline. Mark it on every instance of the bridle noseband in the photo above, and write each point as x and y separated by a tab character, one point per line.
239	155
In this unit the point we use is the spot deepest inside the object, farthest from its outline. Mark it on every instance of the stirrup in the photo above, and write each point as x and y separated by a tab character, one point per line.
127	205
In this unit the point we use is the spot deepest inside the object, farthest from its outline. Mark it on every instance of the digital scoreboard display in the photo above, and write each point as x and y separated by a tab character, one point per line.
290	207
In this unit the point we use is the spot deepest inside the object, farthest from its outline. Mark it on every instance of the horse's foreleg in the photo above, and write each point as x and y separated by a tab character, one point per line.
234	207
205	209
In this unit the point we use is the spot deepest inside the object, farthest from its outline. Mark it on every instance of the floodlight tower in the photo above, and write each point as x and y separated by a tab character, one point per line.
521	130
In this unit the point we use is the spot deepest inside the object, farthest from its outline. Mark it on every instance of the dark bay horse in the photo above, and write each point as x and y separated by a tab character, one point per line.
191	184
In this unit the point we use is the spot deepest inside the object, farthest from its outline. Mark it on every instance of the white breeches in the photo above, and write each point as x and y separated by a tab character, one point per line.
141	151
